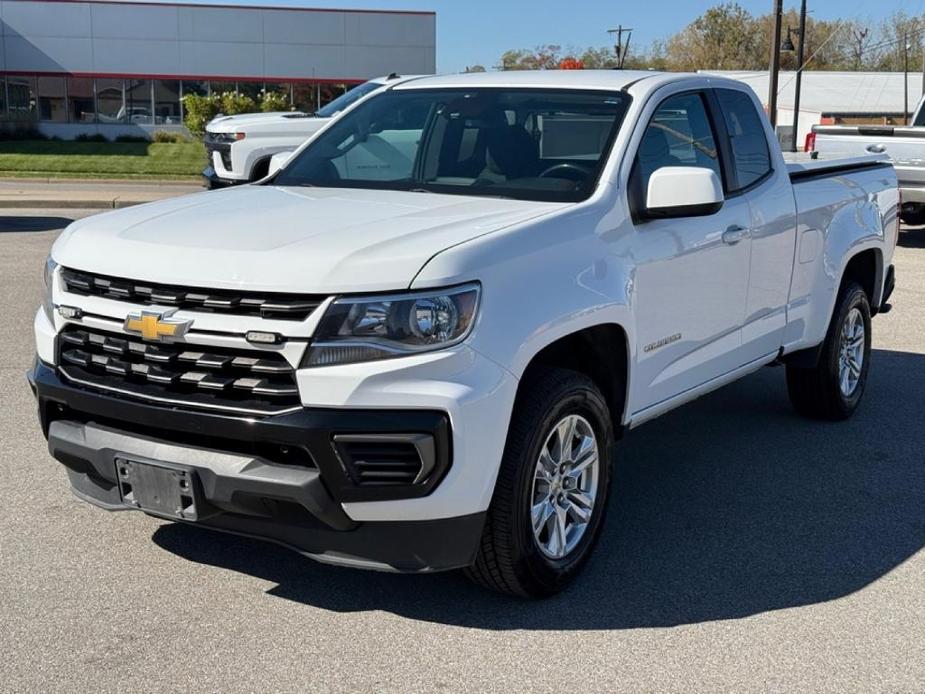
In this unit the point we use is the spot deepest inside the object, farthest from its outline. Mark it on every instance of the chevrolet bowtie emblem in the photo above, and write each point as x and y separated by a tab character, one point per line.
156	327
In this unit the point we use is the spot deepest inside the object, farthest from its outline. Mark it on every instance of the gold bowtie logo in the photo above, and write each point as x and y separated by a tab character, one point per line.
156	327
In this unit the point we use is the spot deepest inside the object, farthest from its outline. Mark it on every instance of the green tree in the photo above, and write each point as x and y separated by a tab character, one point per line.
725	37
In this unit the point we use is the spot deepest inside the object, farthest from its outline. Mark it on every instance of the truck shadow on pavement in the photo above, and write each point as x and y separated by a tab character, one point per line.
29	223
726	508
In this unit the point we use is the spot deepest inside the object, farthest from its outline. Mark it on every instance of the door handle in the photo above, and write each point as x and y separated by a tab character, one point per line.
734	234
876	149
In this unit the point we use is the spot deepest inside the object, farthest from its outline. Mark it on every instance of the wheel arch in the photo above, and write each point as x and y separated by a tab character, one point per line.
866	268
601	352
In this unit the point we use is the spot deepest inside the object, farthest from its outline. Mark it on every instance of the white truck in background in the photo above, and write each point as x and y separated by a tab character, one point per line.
240	147
414	347
904	145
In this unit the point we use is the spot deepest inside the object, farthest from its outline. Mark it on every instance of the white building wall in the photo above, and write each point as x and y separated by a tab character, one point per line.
168	40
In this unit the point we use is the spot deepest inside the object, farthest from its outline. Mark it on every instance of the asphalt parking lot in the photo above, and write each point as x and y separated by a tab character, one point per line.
745	549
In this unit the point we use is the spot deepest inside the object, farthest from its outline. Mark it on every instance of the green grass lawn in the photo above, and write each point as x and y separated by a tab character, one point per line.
54	159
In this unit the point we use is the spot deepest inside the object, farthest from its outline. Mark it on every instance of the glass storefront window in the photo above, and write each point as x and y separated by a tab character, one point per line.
109	103
251	89
195	87
280	88
304	97
167	102
80	100
51	99
138	102
21	93
222	87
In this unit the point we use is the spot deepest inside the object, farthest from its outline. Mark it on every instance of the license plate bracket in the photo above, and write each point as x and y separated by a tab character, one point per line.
161	489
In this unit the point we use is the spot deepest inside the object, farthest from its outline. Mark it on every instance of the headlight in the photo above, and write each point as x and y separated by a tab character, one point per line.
369	328
47	303
226	138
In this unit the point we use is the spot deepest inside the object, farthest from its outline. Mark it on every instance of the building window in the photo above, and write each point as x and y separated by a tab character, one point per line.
110	103
305	97
52	106
195	87
80	105
280	88
251	89
22	100
167	102
222	87
138	102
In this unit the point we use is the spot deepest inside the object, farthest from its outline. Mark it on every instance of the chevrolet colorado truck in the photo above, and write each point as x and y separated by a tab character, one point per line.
415	346
904	145
240	147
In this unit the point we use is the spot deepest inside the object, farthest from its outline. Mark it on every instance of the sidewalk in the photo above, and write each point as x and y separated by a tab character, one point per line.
87	194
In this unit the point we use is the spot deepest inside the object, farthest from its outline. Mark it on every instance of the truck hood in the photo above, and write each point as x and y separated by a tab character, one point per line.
309	240
247	122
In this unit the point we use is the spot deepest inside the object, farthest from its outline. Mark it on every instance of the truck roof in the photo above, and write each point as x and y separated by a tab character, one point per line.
558	79
609	80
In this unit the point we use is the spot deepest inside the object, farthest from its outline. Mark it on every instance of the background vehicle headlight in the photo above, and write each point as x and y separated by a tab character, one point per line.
47	303
369	328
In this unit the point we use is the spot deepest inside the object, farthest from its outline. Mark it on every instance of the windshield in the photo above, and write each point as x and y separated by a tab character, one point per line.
547	145
344	100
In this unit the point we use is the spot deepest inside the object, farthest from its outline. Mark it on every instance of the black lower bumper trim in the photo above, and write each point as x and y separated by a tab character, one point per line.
295	503
213	181
402	546
305	435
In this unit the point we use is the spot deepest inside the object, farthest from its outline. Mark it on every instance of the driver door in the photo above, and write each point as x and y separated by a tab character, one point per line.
691	282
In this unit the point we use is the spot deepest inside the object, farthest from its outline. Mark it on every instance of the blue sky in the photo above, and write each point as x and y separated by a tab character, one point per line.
478	31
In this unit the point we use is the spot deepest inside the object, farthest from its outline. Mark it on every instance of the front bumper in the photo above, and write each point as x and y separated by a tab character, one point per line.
253	475
213	180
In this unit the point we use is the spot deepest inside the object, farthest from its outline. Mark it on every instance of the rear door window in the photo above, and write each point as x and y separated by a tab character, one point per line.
751	157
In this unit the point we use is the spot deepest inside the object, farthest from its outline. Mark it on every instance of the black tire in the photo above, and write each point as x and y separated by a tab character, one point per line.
816	392
509	558
913	215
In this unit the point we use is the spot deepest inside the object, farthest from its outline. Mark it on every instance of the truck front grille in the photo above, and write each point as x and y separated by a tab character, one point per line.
214	143
277	306
250	381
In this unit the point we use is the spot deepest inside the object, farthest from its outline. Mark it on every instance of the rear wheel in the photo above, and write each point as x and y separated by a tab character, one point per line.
833	388
552	488
913	214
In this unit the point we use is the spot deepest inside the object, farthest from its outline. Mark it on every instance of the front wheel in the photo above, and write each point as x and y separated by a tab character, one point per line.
551	493
833	388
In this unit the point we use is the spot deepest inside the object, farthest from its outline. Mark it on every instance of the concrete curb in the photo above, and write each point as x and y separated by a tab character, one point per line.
70	204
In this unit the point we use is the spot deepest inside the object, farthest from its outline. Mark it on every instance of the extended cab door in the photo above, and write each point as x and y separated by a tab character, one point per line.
691	278
759	174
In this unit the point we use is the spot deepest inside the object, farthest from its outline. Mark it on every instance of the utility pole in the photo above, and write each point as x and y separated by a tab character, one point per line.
905	78
620	48
774	71
799	80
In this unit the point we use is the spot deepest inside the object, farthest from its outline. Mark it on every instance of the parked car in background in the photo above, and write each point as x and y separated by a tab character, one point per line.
905	146
240	147
414	347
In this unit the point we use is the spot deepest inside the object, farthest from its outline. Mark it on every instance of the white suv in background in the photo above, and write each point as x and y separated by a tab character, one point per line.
240	147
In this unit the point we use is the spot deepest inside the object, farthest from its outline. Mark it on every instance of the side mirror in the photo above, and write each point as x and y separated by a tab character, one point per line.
683	191
278	161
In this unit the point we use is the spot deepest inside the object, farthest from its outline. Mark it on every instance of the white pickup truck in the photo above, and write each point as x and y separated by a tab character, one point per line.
904	145
415	346
241	147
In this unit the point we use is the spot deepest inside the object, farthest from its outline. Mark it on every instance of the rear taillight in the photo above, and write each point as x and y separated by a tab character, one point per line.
810	143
